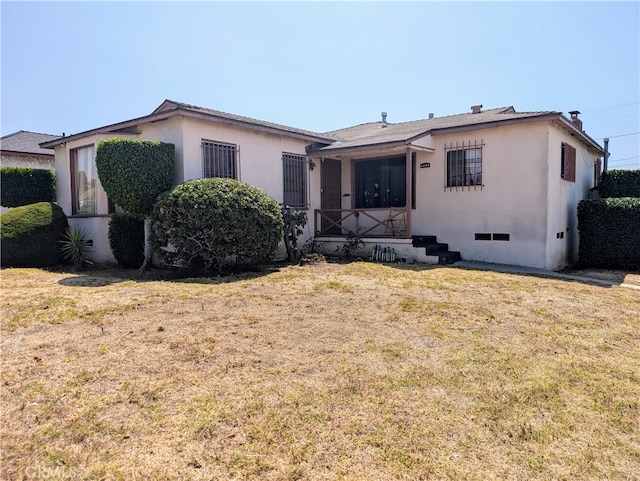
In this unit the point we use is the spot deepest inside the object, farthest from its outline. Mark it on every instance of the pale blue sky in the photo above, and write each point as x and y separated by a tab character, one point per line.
73	66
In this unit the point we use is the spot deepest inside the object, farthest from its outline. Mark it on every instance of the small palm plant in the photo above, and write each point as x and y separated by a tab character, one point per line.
75	246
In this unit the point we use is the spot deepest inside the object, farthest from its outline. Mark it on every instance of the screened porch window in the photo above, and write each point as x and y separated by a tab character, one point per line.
218	159
464	164
381	183
294	168
83	178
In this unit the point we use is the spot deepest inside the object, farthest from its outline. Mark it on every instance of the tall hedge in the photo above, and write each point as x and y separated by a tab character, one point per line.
610	233
23	186
212	223
31	235
620	183
126	238
133	172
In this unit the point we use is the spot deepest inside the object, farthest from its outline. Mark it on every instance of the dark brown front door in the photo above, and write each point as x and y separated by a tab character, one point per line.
331	195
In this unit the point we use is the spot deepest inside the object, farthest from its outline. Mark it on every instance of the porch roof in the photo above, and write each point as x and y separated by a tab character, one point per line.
374	135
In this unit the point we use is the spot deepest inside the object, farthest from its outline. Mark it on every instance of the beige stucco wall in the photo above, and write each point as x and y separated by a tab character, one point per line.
259	153
564	196
512	200
260	163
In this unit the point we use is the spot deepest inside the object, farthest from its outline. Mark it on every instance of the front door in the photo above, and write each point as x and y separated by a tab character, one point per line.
331	195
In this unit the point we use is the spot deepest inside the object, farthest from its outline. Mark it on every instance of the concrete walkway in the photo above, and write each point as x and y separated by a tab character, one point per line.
488	266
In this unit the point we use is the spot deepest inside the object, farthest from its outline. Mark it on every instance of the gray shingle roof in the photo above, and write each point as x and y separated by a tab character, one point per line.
373	133
171	104
26	142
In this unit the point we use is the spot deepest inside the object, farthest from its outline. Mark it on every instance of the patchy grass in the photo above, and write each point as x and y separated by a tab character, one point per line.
327	371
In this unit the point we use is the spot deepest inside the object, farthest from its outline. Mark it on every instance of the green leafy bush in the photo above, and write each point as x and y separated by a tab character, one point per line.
213	223
126	238
620	183
610	233
31	234
133	172
24	186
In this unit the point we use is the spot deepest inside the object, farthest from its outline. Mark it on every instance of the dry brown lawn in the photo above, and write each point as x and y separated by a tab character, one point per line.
329	371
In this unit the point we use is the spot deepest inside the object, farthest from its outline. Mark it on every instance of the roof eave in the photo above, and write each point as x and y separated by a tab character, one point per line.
252	126
179	110
107	129
358	148
568	123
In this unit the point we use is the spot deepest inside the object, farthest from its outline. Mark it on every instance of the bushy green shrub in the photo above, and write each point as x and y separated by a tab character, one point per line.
133	172
30	235
213	223
24	186
610	233
126	238
620	183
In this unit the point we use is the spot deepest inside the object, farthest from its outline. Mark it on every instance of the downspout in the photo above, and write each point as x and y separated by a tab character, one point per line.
409	184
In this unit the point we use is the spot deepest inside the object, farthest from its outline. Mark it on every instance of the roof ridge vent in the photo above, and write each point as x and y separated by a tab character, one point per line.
476	109
384	120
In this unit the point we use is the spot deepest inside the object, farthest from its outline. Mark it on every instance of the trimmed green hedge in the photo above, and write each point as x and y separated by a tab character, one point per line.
610	233
619	183
126	238
31	235
212	224
133	172
24	186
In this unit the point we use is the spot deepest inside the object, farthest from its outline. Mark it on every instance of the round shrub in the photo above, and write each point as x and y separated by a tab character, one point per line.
126	238
214	223
31	235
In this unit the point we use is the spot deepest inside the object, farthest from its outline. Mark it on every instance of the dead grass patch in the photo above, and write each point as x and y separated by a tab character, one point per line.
322	371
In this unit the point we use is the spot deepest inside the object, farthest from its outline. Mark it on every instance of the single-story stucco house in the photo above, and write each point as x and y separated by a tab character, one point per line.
491	185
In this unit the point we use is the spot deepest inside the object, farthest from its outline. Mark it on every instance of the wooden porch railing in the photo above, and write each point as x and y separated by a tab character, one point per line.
389	222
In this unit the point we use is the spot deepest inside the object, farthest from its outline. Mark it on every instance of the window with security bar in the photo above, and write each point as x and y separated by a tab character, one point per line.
464	164
219	159
294	169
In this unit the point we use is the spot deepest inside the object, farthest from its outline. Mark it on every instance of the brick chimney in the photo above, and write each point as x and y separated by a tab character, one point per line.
576	121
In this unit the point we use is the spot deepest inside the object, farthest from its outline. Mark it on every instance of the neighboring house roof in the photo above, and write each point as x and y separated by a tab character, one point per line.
170	108
25	142
373	134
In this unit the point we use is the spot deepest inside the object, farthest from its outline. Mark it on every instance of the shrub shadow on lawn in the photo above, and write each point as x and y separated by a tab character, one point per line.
99	276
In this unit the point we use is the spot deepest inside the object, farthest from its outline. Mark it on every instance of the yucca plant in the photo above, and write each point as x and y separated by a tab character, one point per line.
75	246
